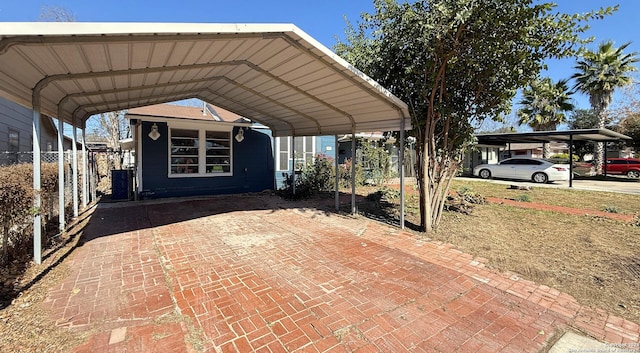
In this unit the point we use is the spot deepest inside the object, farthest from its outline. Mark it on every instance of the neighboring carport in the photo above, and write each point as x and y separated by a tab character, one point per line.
274	74
568	136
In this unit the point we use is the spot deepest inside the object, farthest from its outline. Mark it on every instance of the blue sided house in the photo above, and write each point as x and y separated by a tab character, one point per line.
191	151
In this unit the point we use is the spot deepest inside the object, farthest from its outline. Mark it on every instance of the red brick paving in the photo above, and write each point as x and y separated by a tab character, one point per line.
247	273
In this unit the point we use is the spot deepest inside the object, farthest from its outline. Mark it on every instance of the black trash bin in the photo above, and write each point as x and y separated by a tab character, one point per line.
120	184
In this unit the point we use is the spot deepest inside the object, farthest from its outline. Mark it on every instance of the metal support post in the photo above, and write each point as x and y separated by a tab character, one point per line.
570	160
61	208
37	201
293	167
337	196
353	170
74	167
401	172
85	172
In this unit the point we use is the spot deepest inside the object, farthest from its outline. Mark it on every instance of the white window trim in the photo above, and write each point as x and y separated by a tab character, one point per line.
290	152
202	129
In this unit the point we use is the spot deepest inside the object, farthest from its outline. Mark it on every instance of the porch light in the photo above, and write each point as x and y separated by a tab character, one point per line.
154	134
240	135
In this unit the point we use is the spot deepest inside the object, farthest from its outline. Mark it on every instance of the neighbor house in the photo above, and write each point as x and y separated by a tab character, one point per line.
16	134
535	150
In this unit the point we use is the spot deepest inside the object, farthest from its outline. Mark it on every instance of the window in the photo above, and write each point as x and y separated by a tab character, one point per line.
283	153
218	152
13	146
190	157
304	151
14	141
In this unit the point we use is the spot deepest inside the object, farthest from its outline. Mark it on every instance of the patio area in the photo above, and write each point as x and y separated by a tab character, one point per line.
249	273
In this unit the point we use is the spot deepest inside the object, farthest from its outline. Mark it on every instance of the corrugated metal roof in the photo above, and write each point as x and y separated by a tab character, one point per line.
596	135
274	74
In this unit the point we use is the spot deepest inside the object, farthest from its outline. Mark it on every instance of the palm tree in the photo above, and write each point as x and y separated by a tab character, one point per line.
598	74
543	106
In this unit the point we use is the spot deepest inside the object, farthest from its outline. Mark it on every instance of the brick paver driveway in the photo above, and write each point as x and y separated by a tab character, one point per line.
252	273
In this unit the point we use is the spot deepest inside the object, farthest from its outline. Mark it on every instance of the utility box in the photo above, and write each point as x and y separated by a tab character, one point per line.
121	184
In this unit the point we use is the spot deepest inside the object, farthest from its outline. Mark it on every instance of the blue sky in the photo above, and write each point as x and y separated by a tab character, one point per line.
322	19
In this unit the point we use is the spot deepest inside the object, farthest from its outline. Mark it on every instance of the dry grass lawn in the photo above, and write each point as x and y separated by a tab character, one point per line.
594	259
582	199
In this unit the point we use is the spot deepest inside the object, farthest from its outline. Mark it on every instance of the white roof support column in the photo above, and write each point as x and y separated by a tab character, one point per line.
74	167
138	163
353	169
37	202
61	223
401	172
293	167
335	149
85	174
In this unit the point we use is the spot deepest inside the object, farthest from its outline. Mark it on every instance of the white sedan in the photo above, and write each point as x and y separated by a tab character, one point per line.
530	169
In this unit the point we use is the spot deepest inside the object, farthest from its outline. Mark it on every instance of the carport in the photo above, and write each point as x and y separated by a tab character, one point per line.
568	136
274	74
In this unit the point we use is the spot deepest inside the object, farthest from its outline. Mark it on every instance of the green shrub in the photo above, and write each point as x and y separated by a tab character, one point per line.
611	209
469	196
344	178
16	201
523	198
563	157
463	201
384	195
377	163
317	176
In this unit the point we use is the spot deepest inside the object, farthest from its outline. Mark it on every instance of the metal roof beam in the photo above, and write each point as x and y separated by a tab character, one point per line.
163	98
42	84
368	88
64	100
7	43
273	129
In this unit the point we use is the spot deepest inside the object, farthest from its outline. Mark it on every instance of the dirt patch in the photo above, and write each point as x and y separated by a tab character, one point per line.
561	209
24	324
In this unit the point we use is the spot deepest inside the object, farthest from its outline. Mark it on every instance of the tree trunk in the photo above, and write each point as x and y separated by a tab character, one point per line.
546	150
426	217
5	242
599	157
421	176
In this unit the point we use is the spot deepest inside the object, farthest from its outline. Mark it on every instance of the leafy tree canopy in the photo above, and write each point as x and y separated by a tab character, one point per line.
456	63
598	74
544	103
583	119
630	126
